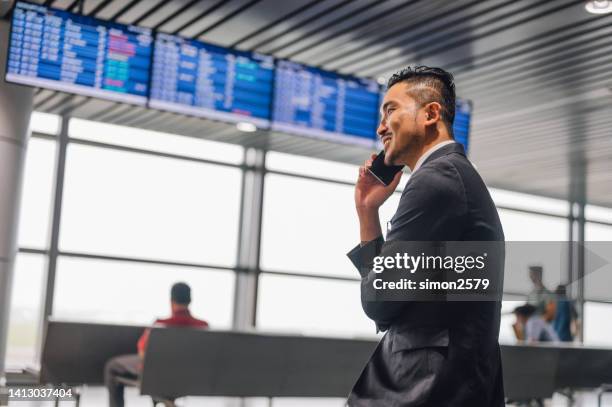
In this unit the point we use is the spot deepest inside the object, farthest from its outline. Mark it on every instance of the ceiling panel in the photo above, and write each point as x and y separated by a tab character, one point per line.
205	16
539	74
159	14
256	16
334	14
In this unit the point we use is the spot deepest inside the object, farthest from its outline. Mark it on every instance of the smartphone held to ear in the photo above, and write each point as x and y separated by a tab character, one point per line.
382	172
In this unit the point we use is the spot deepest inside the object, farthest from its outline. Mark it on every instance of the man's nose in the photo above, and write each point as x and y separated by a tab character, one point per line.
382	128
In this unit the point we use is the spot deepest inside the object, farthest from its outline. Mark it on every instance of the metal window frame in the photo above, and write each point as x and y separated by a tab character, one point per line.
245	302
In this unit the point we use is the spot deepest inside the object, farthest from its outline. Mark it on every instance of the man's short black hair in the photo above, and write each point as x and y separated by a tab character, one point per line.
432	85
561	290
536	269
180	294
526	310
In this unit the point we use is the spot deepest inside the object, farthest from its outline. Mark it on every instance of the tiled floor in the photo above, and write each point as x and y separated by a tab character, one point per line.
96	397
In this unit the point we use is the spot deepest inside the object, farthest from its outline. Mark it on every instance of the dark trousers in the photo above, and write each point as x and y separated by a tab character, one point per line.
124	366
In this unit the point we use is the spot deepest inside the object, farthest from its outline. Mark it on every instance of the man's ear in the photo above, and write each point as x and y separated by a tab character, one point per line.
433	112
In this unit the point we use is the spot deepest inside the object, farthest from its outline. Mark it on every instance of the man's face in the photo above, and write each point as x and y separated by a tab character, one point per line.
536	277
401	127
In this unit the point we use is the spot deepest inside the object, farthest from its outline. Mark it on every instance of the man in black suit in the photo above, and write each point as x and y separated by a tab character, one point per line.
434	353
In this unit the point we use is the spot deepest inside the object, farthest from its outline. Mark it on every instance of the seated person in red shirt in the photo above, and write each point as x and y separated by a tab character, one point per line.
129	366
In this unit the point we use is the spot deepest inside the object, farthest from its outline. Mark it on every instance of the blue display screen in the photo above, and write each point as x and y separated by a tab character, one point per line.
59	50
461	125
200	79
312	102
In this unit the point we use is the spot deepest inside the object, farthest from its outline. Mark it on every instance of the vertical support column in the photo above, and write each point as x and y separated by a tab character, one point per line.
570	240
245	296
580	269
578	197
15	112
571	290
58	190
577	260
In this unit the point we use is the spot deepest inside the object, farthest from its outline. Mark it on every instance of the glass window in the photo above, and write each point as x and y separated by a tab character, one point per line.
530	202
551	256
524	228
45	123
27	296
597	317
598	262
131	204
521	226
137	293
314	167
37	194
597	232
592	212
311	306
155	141
309	226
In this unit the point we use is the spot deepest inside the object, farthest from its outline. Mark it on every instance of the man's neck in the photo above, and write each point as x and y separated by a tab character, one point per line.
180	309
412	159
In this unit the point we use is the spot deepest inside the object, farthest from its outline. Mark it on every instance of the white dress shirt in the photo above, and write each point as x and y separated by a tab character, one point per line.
429	152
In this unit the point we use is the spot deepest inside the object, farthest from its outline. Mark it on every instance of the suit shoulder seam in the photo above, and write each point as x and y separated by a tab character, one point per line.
465	202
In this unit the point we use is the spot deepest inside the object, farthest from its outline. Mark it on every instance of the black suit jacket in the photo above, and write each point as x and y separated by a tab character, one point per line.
434	354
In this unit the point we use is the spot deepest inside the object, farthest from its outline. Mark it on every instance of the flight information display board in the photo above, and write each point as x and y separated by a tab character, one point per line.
200	79
316	103
461	125
59	50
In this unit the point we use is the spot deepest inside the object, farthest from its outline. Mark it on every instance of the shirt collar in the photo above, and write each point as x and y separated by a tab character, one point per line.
429	152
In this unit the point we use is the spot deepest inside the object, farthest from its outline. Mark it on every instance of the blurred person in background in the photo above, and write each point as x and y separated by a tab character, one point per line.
565	322
531	327
540	296
129	366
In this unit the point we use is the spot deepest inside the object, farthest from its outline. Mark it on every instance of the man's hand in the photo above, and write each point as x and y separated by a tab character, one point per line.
370	193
